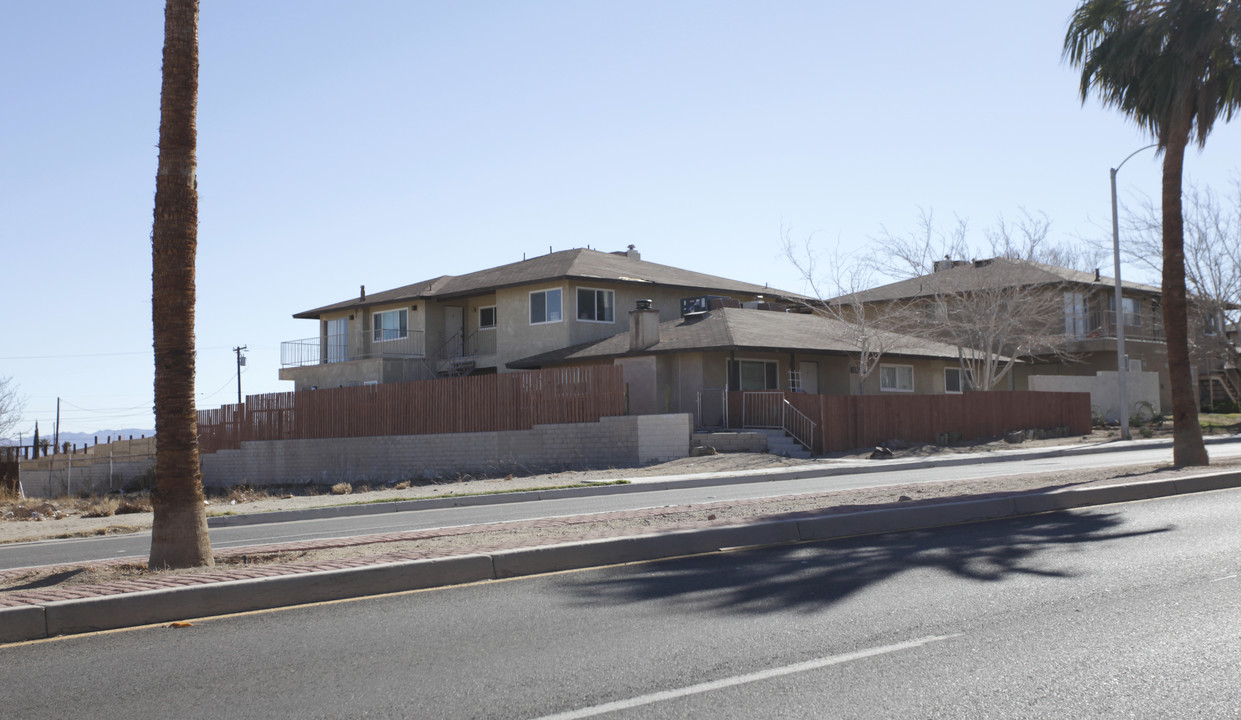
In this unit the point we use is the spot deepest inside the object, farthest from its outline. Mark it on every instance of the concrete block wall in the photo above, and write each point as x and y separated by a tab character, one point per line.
624	441
724	442
78	477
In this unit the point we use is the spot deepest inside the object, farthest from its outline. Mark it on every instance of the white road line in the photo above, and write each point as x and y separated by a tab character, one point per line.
741	679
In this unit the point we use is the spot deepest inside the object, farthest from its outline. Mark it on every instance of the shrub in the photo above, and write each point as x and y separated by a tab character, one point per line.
145	481
1224	407
342	488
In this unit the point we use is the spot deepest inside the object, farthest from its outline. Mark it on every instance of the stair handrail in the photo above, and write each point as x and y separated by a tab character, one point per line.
800	428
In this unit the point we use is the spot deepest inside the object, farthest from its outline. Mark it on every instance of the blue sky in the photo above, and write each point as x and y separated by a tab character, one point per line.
380	143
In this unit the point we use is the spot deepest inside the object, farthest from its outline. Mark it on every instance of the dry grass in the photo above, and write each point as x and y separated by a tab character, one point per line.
342	488
128	507
102	507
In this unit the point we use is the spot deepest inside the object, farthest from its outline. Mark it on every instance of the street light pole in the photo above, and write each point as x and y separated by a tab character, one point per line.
1122	360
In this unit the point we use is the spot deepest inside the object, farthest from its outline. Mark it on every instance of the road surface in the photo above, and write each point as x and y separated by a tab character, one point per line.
1133	610
20	555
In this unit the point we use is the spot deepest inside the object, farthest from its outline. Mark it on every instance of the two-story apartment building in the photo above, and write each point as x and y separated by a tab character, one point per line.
1084	301
481	321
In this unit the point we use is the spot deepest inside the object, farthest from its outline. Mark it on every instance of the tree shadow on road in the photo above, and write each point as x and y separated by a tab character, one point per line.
811	576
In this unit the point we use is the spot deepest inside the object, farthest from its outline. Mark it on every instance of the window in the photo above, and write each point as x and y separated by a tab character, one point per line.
1213	323
487	318
1130	308
954	380
595	305
896	378
545	306
747	375
1075	315
390	325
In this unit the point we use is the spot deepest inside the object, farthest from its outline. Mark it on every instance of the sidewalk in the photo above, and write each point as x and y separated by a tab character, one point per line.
638	484
39	612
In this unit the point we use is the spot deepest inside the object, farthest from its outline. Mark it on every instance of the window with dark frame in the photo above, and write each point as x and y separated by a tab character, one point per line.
487	317
545	306
596	305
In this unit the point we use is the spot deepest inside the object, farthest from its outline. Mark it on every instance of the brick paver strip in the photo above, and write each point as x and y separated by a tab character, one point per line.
16	598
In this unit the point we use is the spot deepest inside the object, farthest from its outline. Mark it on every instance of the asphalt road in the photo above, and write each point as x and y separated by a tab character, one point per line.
1133	610
20	555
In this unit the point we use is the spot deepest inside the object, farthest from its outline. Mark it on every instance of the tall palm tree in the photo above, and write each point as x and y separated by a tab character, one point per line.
179	533
1174	66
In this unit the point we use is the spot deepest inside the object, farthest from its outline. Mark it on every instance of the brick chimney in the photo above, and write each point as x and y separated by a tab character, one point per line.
643	326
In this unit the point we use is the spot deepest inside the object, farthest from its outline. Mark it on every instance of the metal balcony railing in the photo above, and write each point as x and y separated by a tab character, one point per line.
1102	324
335	348
481	342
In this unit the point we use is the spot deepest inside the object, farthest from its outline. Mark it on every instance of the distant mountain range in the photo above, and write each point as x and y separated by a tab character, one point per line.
80	439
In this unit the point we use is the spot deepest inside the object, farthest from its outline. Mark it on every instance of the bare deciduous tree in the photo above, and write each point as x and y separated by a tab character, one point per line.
997	310
872	330
1212	259
10	406
917	252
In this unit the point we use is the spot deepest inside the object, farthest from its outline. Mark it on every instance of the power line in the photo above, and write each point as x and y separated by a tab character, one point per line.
107	410
96	355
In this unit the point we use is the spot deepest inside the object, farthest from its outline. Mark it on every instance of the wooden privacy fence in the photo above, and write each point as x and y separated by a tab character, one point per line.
845	422
480	403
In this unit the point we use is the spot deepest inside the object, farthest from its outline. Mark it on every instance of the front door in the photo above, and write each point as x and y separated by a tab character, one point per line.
808	375
454	331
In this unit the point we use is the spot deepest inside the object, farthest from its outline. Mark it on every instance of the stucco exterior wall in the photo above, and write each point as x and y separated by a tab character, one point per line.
623	441
1104	389
640	387
928	376
1152	355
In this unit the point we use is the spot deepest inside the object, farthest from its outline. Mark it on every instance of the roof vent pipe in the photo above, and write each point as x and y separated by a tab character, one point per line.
363	291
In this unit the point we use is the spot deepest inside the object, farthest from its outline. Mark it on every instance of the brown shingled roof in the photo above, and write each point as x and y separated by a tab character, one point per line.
986	274
579	263
737	329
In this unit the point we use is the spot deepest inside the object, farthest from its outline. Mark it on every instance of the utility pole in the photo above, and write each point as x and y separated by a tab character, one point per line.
56	434
241	361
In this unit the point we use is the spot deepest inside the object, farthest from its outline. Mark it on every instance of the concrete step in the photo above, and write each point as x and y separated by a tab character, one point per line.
778	443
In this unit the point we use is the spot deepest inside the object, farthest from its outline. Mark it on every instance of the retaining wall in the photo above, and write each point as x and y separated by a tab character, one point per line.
729	442
623	441
95	469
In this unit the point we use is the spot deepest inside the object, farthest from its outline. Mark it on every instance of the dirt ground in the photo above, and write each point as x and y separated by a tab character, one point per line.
480	539
66	517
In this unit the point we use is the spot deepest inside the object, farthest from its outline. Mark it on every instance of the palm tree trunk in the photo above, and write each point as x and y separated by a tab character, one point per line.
1187	445
179	533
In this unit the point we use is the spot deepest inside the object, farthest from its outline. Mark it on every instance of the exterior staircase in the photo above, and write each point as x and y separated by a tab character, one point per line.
1226	382
779	443
449	360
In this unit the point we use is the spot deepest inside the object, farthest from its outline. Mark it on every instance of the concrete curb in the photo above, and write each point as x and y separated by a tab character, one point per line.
156	606
680	481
